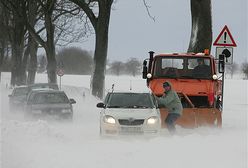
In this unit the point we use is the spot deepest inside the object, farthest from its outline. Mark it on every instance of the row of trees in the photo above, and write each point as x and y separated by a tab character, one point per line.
43	22
30	24
74	60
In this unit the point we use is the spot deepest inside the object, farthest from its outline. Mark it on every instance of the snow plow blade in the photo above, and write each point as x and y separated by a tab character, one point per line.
196	117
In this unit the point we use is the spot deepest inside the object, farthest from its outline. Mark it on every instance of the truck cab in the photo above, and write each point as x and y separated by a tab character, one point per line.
194	77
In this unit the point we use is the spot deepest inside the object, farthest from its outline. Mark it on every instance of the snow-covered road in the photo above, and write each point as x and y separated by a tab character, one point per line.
46	144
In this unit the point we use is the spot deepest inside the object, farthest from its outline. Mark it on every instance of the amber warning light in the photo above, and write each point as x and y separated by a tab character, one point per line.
206	51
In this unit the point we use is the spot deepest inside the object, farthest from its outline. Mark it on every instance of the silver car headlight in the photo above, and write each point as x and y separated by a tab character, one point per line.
152	120
66	111
109	119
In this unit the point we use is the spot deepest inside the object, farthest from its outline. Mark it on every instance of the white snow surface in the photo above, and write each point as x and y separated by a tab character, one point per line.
50	144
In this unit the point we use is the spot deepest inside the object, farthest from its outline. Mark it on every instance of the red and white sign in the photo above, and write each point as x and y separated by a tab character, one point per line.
60	72
225	38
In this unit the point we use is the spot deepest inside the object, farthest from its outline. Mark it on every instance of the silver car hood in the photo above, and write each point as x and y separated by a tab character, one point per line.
127	113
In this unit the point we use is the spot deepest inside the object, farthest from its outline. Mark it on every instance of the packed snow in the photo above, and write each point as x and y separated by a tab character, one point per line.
77	144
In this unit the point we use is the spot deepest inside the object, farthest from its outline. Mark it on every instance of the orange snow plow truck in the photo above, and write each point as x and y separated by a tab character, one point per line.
198	87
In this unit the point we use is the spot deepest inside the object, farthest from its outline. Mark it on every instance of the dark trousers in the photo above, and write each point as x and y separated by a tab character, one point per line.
170	122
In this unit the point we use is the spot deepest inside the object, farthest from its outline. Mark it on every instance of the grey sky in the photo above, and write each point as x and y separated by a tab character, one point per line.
132	33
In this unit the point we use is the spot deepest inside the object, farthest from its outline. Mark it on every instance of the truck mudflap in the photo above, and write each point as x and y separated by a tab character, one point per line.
195	117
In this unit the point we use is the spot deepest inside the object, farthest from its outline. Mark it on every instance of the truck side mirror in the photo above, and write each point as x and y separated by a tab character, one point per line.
221	66
144	73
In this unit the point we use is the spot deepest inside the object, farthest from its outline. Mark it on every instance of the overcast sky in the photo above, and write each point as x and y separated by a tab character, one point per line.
132	33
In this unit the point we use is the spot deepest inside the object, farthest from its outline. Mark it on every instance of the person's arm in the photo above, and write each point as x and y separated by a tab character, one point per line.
166	99
159	101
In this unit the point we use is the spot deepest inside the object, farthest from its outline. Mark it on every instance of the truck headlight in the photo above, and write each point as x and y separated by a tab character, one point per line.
66	111
109	119
152	120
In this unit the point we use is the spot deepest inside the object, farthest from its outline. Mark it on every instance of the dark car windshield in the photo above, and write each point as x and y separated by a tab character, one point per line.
129	100
49	98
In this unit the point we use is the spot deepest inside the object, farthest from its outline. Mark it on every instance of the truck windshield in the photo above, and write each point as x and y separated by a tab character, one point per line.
181	67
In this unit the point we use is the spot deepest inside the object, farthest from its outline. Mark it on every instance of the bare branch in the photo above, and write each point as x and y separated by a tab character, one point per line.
87	10
148	11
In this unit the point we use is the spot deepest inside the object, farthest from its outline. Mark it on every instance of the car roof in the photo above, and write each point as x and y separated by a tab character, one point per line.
21	86
43	84
131	91
46	90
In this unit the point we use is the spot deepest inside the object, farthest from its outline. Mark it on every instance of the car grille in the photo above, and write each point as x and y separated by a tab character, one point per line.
130	122
52	111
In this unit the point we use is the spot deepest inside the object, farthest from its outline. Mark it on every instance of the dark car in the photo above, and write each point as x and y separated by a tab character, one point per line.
43	85
48	103
18	97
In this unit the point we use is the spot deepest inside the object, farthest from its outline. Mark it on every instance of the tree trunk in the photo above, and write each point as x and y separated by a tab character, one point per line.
100	57
101	48
24	66
33	47
50	46
17	40
2	49
201	32
16	65
51	67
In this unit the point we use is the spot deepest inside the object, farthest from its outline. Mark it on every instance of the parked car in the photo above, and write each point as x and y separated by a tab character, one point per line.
48	103
129	113
17	98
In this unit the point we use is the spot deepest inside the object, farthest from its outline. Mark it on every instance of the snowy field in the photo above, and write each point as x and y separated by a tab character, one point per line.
46	144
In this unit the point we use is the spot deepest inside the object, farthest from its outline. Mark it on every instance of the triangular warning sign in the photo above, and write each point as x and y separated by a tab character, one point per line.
225	38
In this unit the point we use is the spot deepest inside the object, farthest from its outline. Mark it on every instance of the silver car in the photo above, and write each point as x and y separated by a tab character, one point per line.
129	113
49	103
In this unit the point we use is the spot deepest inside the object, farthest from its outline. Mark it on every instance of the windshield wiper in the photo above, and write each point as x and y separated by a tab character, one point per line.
136	106
186	76
113	106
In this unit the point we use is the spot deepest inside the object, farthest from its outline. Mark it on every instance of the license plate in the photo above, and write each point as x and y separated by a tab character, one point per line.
131	129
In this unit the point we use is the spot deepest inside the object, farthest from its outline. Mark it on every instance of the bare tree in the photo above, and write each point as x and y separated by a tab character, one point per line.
117	67
100	22
32	45
245	69
75	60
4	40
201	31
16	31
231	69
133	66
56	29
42	63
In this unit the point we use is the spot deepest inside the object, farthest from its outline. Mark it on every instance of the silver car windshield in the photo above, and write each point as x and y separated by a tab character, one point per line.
130	100
50	98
